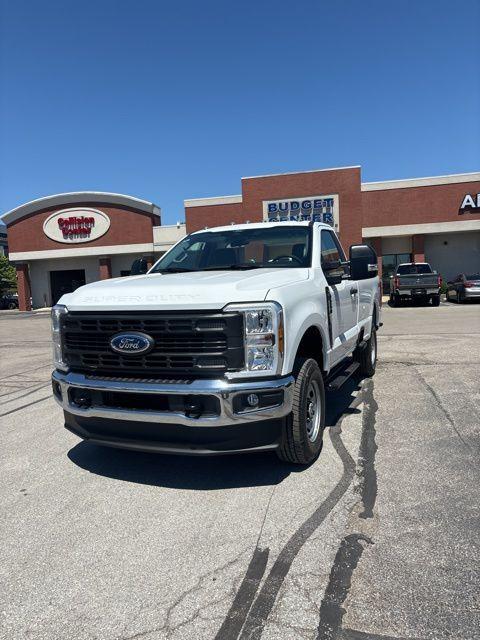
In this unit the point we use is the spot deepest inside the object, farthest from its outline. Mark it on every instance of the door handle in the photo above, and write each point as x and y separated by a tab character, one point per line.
353	292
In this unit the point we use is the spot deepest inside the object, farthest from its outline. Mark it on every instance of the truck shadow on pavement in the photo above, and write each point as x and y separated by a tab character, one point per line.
201	473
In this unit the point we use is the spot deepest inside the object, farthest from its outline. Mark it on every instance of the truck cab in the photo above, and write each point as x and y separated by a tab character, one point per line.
226	345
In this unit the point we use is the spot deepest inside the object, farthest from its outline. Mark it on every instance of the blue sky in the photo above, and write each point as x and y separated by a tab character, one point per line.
171	100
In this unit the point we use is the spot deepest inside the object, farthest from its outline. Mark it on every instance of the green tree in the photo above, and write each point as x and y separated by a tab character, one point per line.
8	276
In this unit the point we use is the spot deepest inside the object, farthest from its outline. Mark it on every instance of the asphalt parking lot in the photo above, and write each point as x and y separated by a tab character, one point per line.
379	539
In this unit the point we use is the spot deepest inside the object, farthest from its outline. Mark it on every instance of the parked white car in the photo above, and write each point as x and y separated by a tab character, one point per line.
225	346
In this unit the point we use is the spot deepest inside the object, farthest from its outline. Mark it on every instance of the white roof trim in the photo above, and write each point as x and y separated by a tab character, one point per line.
413	229
74	197
105	250
292	173
207	202
421	182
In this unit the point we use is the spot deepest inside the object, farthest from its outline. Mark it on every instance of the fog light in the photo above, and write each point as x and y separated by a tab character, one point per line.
252	400
193	407
82	399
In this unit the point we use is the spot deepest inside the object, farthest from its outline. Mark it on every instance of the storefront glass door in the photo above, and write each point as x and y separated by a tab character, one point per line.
65	281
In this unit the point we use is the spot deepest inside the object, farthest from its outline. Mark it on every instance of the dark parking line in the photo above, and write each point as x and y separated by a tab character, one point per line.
2	415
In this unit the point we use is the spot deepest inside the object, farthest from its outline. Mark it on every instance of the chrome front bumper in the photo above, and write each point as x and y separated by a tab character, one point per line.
223	390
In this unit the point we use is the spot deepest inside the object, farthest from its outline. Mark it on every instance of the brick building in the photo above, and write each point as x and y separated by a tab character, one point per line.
424	219
62	241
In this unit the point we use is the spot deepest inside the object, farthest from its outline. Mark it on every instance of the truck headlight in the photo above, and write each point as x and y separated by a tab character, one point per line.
59	311
263	336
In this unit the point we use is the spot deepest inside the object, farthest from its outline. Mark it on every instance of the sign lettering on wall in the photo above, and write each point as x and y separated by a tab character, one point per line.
321	208
76	225
470	204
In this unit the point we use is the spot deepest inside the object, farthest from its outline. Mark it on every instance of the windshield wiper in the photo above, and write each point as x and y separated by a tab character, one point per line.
174	270
230	267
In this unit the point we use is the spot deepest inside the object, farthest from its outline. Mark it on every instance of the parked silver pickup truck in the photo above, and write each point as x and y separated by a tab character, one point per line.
415	281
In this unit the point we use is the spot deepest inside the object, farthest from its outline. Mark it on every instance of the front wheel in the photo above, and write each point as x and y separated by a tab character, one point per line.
367	356
303	429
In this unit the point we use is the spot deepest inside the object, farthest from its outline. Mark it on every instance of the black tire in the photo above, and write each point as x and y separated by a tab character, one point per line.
301	439
367	356
11	305
435	301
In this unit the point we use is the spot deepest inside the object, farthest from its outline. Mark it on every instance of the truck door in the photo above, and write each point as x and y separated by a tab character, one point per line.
344	297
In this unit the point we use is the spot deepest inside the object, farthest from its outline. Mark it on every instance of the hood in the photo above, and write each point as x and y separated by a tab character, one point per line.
196	290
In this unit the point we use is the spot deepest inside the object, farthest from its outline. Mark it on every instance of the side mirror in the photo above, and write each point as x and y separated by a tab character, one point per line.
334	271
363	262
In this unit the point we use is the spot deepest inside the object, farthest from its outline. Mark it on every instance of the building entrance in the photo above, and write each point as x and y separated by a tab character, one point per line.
65	281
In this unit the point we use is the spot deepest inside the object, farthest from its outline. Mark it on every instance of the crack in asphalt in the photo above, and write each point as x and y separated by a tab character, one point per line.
339	583
167	627
246	620
366	471
265	600
350	550
445	411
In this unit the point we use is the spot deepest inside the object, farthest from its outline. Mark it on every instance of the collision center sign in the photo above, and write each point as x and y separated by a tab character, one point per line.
76	225
321	208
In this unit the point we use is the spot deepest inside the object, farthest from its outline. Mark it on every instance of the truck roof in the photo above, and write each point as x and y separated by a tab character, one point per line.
262	225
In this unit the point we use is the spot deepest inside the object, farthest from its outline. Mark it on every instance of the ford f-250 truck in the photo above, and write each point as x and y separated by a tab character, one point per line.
415	281
226	345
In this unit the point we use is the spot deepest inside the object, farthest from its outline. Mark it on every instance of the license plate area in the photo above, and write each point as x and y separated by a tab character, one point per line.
189	405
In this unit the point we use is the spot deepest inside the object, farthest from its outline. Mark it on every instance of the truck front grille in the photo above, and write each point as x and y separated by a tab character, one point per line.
197	344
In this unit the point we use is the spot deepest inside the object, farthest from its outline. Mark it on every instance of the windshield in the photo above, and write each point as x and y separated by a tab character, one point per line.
405	269
472	276
256	248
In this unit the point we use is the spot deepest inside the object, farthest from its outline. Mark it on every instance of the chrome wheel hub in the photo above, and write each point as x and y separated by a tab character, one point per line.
313	411
373	352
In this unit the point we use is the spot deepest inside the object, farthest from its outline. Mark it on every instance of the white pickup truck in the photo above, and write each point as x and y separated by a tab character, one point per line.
226	345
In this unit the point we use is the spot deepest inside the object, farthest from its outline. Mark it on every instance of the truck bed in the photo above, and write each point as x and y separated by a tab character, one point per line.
417	281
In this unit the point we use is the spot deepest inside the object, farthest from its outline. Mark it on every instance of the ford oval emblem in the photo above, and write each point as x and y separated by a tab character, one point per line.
132	343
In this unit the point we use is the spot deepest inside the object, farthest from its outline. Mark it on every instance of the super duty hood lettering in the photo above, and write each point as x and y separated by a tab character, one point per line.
198	289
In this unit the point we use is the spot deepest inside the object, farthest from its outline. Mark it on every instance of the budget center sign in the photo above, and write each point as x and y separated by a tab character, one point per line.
320	208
